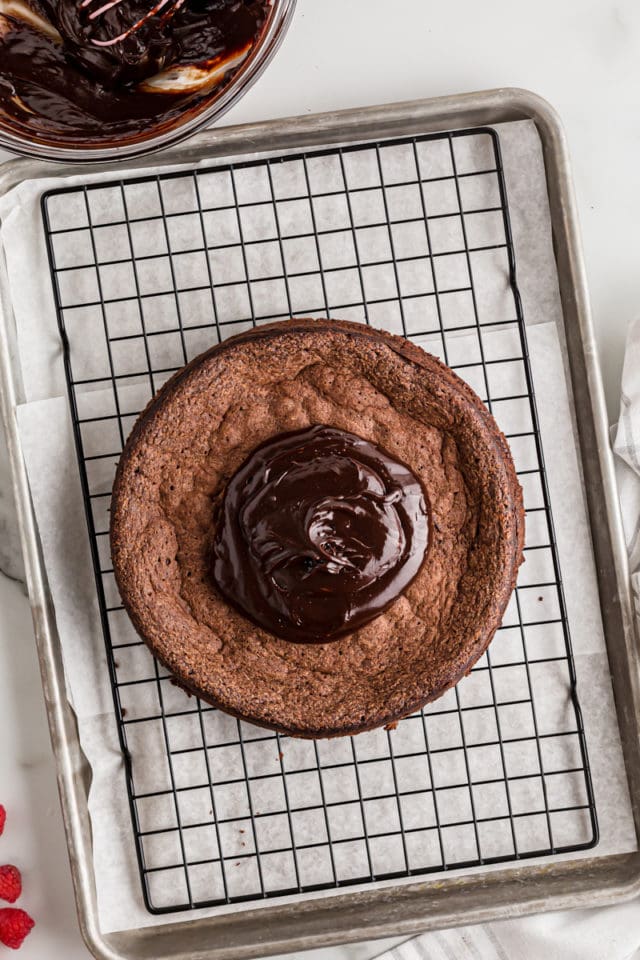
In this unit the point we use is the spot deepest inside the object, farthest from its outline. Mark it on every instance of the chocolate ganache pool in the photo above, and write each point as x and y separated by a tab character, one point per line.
319	532
97	69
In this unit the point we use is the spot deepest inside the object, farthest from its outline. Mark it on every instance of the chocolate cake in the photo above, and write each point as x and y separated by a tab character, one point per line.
316	527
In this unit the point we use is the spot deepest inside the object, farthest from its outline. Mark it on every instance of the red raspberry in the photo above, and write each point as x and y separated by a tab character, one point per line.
3	817
10	883
15	924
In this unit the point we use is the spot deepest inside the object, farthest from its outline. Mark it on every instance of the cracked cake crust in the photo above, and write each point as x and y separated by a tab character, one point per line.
201	427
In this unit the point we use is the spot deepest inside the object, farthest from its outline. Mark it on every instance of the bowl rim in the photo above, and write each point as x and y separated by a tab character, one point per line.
256	63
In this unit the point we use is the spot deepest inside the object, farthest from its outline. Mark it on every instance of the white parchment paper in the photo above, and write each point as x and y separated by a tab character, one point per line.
49	452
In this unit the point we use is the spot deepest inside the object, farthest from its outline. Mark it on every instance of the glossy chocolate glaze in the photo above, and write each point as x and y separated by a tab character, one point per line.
71	87
319	532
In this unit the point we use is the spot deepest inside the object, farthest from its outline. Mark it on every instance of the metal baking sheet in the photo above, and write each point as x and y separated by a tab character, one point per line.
417	906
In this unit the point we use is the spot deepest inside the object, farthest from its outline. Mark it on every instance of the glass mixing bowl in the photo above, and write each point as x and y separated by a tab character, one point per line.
165	132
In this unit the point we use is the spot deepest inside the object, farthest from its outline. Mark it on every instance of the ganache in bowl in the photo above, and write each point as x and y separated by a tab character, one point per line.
78	83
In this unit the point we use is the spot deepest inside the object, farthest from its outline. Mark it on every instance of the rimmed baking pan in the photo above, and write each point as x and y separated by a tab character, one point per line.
404	908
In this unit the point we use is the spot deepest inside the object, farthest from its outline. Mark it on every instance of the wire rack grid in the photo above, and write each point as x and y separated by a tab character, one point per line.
413	236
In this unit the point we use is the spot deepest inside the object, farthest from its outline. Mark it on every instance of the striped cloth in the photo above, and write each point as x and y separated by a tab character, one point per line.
612	933
626	443
609	934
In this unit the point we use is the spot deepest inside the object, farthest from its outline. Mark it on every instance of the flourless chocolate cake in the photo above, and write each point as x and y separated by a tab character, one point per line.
317	527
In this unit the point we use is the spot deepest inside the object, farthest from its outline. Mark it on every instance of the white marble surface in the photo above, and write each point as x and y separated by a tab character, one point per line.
584	56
